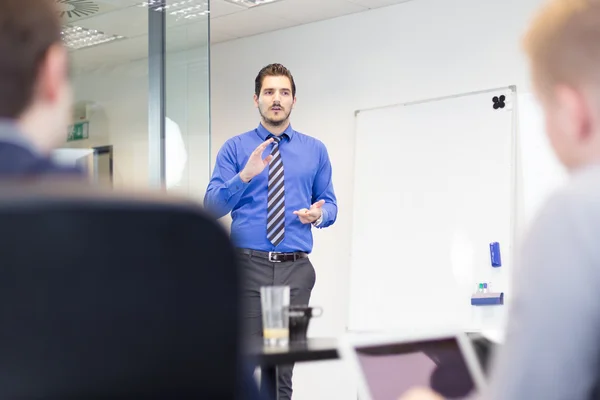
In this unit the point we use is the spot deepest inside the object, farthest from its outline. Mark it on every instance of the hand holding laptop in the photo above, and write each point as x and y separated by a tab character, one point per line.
414	367
421	394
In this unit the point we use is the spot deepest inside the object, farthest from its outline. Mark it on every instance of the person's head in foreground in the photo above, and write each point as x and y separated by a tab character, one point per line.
34	86
563	48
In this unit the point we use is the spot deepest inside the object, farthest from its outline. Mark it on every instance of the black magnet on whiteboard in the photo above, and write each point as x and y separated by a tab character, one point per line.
499	102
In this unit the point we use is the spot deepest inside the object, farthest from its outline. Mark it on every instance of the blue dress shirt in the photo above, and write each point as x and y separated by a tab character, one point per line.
307	179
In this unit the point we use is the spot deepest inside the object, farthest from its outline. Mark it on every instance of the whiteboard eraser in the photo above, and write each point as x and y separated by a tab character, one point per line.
487	299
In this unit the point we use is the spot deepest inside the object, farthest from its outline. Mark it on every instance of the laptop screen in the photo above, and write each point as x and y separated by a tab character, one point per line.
392	369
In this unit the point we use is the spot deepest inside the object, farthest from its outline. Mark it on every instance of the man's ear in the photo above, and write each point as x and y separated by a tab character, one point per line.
53	73
575	112
294	102
255	101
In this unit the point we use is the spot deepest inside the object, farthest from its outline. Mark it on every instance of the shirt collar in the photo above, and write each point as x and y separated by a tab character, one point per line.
264	132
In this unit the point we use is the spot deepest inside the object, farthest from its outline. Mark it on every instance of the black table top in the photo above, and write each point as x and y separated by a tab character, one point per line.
315	349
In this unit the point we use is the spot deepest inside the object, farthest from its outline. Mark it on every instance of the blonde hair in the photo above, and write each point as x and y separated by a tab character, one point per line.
563	44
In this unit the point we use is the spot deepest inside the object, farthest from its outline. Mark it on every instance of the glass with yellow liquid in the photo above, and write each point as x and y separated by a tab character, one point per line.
275	301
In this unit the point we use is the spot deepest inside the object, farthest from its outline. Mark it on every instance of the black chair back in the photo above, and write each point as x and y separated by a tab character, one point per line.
109	296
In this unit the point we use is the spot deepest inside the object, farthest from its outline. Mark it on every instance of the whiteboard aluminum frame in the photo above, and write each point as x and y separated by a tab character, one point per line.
512	88
514	162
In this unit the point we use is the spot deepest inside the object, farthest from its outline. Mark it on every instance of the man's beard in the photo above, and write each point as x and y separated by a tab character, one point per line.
272	122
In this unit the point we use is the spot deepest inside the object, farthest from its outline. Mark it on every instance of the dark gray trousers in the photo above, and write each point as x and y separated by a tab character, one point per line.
299	275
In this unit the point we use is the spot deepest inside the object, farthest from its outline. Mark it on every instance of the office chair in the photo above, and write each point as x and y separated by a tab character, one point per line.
114	296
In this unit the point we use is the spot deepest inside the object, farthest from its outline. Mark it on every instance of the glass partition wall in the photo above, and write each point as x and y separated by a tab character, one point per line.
141	82
187	98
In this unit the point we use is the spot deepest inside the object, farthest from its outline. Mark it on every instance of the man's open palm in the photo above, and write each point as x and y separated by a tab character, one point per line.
255	164
308	216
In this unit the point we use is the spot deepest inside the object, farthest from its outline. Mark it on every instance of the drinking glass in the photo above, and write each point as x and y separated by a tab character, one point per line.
275	301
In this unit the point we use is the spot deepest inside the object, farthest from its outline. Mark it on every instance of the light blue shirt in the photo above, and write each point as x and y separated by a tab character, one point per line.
307	179
552	344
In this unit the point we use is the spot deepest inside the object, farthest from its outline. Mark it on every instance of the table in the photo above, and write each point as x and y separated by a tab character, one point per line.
315	349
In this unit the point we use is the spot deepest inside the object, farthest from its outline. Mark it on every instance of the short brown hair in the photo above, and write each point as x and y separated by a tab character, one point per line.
272	70
28	28
563	44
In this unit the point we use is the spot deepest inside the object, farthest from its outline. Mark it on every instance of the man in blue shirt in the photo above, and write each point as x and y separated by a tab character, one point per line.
277	184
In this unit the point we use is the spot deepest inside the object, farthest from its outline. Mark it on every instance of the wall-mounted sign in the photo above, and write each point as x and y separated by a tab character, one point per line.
79	131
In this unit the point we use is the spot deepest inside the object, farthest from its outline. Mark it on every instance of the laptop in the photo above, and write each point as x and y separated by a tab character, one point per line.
387	366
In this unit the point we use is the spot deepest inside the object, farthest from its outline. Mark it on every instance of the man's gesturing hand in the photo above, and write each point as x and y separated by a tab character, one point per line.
256	164
308	216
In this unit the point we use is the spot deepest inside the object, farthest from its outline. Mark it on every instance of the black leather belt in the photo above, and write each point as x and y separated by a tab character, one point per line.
274	256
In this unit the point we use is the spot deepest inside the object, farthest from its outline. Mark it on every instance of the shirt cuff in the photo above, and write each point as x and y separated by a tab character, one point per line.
321	218
236	184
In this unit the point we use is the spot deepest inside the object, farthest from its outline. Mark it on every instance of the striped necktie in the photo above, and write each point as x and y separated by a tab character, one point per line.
276	198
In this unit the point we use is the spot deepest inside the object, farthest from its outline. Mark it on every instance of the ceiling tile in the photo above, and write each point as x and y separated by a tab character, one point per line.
111	54
128	22
249	22
219	37
305	11
219	8
228	22
121	3
377	3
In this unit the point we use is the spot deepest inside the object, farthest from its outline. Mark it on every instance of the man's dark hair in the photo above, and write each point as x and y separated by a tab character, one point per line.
28	29
272	70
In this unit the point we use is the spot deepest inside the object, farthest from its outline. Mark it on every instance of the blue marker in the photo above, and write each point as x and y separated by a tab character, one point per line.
495	254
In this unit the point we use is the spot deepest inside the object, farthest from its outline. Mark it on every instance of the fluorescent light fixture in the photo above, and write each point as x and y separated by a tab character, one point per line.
183	9
77	37
250	3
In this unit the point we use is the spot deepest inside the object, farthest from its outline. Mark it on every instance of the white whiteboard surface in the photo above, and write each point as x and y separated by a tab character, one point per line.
434	185
541	170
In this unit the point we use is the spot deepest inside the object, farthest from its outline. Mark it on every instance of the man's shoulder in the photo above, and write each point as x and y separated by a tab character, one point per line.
572	214
581	195
240	139
311	140
251	134
13	156
17	160
231	146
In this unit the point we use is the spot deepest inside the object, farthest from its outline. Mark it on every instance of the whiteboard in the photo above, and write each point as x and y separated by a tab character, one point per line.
434	185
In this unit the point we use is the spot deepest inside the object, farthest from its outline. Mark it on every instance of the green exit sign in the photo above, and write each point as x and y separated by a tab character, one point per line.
79	131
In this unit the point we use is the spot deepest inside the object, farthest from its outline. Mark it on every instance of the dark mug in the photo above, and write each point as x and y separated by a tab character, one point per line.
299	319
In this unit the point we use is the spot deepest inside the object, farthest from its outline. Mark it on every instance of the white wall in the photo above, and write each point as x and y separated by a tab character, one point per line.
416	50
119	117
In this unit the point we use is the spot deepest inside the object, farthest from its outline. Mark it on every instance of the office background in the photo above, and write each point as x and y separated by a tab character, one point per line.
416	50
140	66
351	58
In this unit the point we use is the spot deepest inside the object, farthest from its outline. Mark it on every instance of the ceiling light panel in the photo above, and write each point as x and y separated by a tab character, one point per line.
250	3
77	37
180	9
